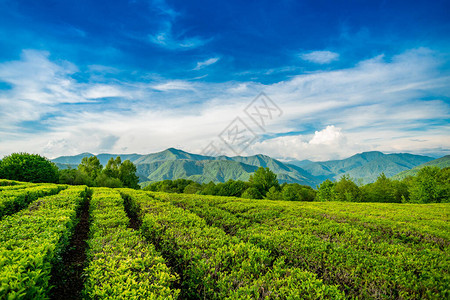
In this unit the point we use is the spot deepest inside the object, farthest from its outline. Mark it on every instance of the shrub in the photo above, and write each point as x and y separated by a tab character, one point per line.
28	167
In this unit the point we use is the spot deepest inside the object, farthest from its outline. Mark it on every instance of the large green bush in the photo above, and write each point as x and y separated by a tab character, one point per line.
28	167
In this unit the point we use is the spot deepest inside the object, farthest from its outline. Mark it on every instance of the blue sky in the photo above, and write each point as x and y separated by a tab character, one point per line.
142	76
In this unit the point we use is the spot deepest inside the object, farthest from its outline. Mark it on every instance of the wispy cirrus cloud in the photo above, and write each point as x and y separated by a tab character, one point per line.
205	63
172	85
105	91
166	37
320	57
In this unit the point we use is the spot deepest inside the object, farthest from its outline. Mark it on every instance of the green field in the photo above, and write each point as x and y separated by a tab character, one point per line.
144	245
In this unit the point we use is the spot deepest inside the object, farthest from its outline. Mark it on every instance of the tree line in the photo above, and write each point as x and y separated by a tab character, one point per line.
262	184
90	172
430	185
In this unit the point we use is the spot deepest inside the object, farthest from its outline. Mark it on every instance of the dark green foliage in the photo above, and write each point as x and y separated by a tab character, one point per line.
209	189
112	167
28	167
106	181
347	190
274	194
430	185
231	188
297	192
289	193
263	180
252	193
116	173
127	174
192	188
90	166
169	186
326	192
385	190
75	177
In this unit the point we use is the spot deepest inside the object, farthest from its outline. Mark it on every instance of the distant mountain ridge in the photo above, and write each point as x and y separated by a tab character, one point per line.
174	163
365	166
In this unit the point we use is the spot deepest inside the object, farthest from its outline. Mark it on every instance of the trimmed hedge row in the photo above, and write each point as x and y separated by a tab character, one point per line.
121	264
7	182
214	265
365	263
32	241
13	200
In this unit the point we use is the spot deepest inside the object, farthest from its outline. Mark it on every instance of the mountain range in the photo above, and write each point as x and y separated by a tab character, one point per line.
174	163
443	162
365	167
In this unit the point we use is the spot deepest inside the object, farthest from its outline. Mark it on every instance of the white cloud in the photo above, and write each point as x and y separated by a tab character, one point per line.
174	85
329	136
208	62
320	57
376	105
329	143
104	91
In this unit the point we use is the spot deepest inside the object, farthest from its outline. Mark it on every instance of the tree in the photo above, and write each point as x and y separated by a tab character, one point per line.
127	174
274	194
192	188
252	193
112	167
263	179
28	167
427	186
117	174
306	193
231	188
325	191
106	181
289	193
297	192
347	190
209	189
74	177
384	190
444	181
91	166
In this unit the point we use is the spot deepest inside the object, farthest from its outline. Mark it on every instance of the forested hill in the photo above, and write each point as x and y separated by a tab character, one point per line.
174	164
442	162
365	166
